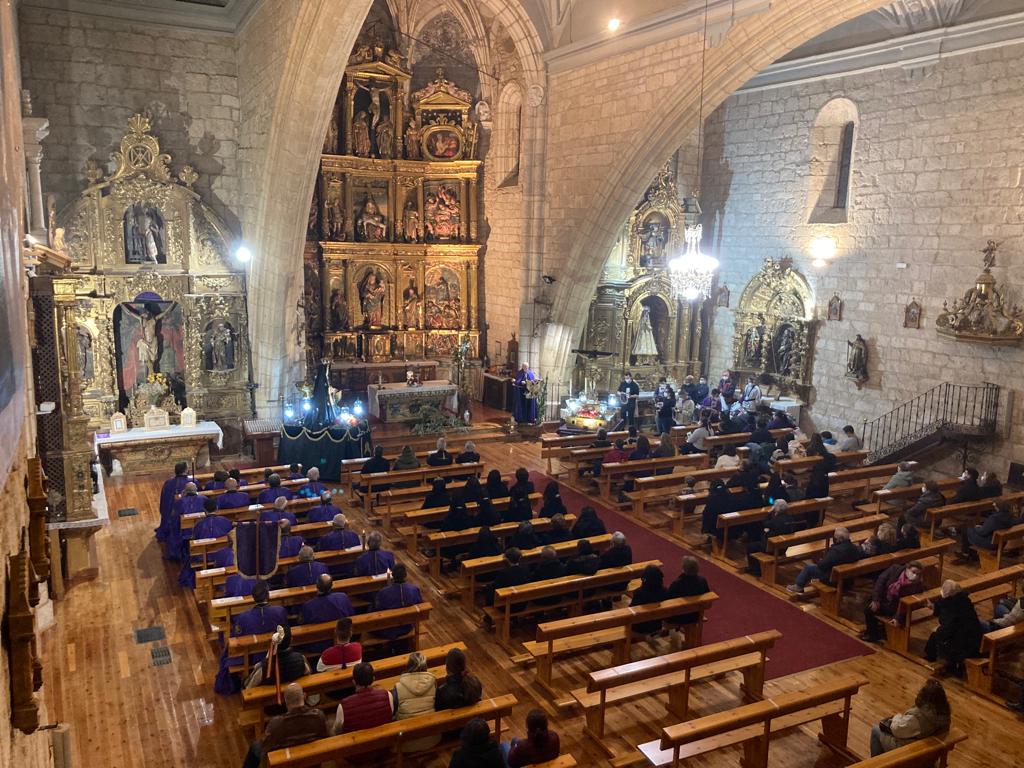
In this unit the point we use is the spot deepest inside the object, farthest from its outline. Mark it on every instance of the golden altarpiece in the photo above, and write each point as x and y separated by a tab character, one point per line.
153	311
392	252
635	320
774	328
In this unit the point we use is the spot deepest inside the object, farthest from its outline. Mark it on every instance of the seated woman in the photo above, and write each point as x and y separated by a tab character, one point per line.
468	455
472	491
552	504
519	508
665	449
406	460
930	497
779	523
882	542
523	482
540	745
929	715
588	524
651	590
586	562
438	496
958	635
896	582
458	518
477	749
719	502
989	486
524	537
689	583
728	459
496	488
983	536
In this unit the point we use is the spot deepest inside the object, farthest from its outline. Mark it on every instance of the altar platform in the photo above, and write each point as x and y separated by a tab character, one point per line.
400	402
153	450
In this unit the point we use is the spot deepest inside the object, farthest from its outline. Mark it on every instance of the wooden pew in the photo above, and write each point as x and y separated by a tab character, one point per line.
753	725
801	545
223	608
831	595
804	463
552	448
203	547
204	477
931	752
246	646
729	520
859	482
618	470
441	540
351	468
965	509
580	634
914	608
688	504
664	487
474	568
419	518
423	475
675	673
576	461
981	672
562	761
907	495
298	507
1007	540
569	589
739	438
390	736
255	488
254	700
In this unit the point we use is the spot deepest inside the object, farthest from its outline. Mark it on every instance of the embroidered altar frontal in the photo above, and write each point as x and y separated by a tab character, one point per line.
398	402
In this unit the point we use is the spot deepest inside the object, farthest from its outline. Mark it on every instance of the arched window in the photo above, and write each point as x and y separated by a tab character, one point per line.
833	139
508	141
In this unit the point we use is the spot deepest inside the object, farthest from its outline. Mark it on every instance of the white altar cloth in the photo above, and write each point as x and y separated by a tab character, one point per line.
375	393
141	435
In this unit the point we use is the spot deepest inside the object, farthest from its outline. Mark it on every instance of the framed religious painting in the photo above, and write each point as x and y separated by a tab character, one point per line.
442	212
912	315
835	308
443	142
723	297
188	418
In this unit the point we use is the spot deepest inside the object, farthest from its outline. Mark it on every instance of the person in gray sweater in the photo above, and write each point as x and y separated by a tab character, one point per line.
902	477
929	715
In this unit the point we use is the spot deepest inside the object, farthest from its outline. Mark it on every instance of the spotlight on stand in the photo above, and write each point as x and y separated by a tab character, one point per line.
358	410
289	411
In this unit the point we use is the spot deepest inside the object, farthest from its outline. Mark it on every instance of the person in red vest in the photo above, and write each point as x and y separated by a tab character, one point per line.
368	707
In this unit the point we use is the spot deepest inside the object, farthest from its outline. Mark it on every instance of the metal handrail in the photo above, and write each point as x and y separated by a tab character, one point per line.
962	408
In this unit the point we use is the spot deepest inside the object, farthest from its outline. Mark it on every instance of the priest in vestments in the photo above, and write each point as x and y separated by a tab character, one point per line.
168	494
524	409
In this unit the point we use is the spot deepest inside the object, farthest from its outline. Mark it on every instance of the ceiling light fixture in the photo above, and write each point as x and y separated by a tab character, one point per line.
613	25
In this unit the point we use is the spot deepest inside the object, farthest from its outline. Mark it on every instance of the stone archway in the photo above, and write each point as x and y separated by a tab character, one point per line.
655	109
292	55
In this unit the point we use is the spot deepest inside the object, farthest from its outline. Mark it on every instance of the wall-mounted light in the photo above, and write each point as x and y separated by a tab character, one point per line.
822	249
243	255
613	25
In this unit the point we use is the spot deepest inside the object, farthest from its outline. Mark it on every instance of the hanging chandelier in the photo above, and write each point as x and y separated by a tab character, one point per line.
692	273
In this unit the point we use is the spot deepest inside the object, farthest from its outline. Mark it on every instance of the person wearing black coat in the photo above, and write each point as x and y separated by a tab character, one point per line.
779	523
549	566
524	537
552	504
523	482
588	524
477	748
619	555
689	583
586	562
440	457
775	490
719	502
438	495
989	486
376	463
958	635
558	532
512	575
982	536
486	514
651	590
457	519
496	488
842	551
518	509
486	545
472	490
968	489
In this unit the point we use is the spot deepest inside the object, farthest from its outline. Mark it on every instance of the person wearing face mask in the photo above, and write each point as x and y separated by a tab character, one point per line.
629	391
968	489
895	582
702	390
930	497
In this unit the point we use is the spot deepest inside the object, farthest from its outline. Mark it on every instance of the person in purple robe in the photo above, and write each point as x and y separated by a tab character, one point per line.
314	487
397	594
189	503
524	408
236	475
261	619
291	543
326	606
168	494
212	526
325	512
339	538
273	490
278	512
306	571
295	472
237	585
232	498
221	558
374	561
219	478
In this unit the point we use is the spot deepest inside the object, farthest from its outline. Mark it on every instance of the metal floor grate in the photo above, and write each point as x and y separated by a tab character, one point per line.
149	634
127	512
161	656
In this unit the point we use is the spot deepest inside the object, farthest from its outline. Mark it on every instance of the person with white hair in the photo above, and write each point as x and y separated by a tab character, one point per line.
307	570
324	512
440	457
619	554
958	635
468	455
313	487
842	551
374	561
300	724
278	511
340	537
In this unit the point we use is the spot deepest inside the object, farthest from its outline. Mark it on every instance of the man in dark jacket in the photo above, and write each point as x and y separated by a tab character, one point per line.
558	532
549	566
586	562
968	489
512	575
930	498
981	536
376	463
842	551
620	554
959	632
299	725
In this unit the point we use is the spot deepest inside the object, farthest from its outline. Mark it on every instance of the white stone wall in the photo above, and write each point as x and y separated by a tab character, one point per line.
937	170
89	74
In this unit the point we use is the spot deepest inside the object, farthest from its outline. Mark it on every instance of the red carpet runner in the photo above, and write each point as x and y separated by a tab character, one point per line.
742	608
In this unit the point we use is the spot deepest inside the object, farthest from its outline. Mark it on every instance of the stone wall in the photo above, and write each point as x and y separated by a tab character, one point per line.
89	74
936	172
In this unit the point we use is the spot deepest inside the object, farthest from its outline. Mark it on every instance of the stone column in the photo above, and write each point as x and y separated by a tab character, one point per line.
34	130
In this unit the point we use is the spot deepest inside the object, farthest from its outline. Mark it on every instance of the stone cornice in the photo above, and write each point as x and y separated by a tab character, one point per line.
170	13
688	19
911	52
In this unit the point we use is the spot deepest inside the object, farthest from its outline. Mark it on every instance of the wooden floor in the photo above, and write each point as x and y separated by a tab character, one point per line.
126	712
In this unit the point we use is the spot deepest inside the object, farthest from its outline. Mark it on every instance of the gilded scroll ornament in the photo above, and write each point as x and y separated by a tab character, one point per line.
983	316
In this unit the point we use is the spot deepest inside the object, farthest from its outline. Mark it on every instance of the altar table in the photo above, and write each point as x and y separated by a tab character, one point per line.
399	402
158	450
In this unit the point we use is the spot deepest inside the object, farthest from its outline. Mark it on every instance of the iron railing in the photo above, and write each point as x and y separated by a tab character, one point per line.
951	409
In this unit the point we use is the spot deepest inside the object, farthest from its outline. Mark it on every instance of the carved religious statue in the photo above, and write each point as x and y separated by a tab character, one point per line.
512	353
313	221
85	355
411	305
857	360
753	341
653	241
361	135
331	139
645	346
334	213
221	343
339	312
411	223
372	224
143	235
412	141
784	350
441	214
386	139
371	298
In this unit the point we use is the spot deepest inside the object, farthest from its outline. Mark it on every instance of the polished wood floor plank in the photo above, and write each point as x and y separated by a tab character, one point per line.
125	712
